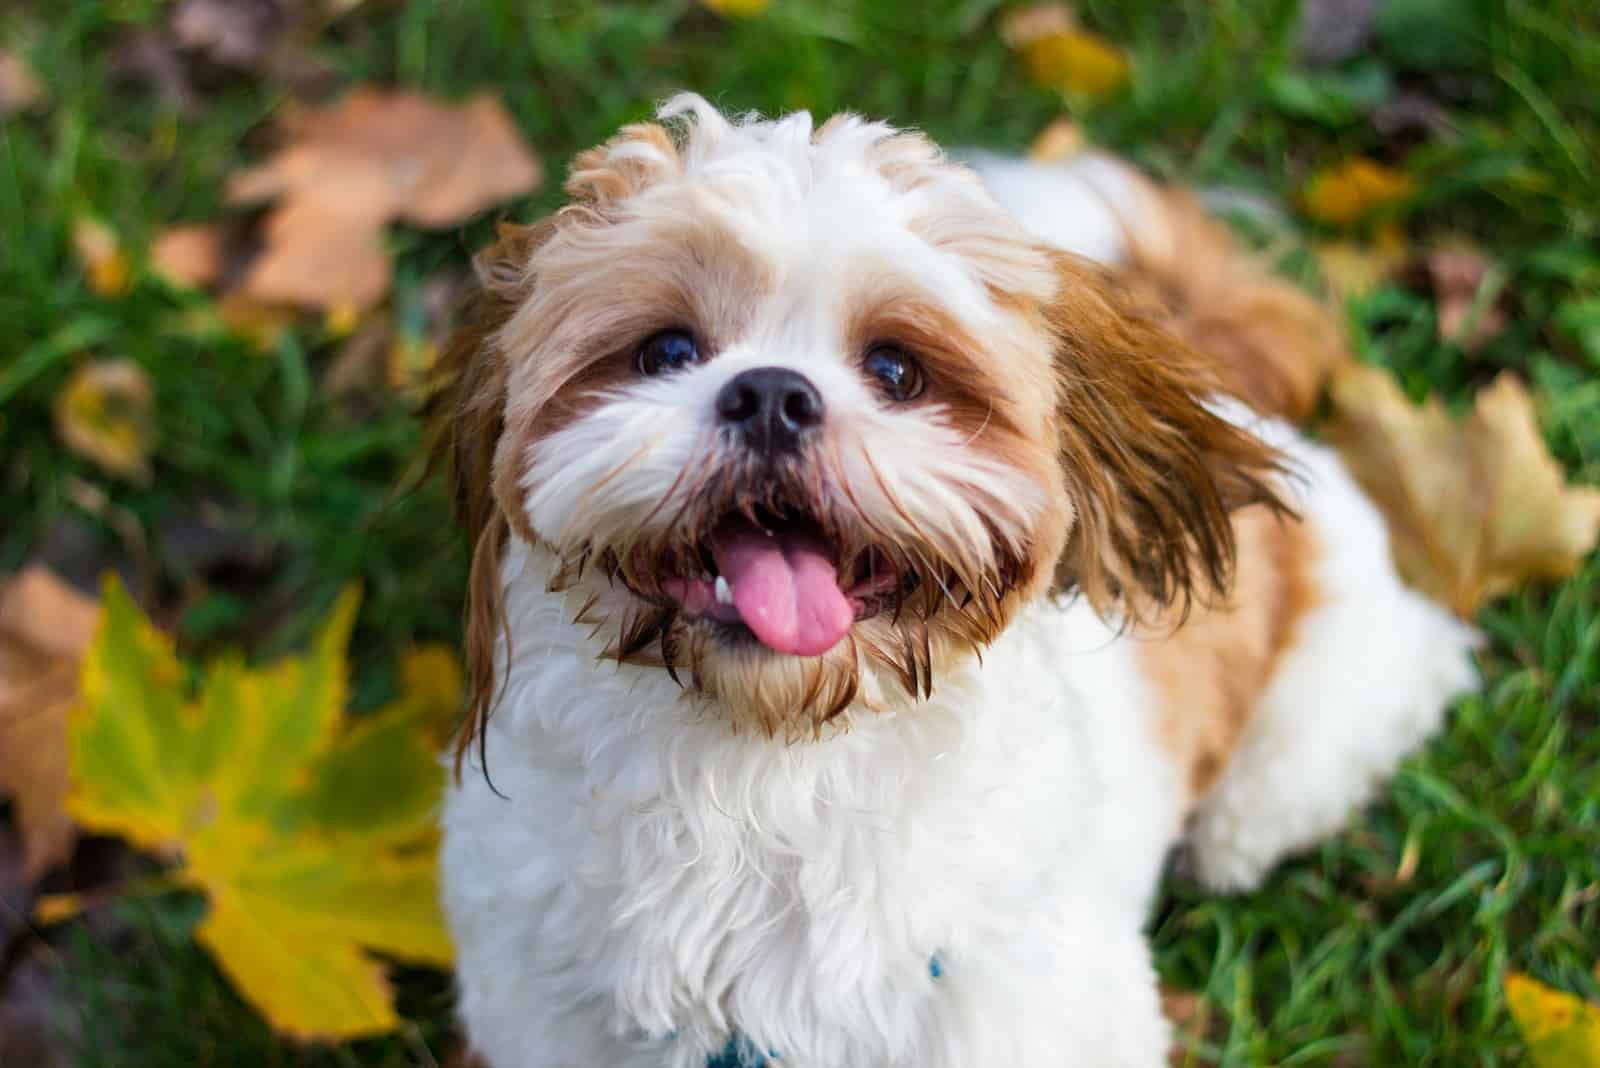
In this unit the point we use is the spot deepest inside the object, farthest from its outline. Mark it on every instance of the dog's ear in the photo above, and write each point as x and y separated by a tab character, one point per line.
1151	470
465	416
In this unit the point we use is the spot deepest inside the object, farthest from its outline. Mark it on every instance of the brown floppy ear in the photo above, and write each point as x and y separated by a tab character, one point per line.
1151	471
465	415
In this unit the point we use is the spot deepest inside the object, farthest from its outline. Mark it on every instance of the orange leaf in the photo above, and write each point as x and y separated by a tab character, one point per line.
1351	190
352	168
189	255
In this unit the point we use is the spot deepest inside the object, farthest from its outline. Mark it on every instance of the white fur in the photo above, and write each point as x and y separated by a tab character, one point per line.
1365	683
630	883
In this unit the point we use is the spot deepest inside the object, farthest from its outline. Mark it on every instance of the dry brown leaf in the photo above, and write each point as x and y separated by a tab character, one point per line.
1475	508
356	166
19	90
323	252
45	627
191	255
105	414
1459	274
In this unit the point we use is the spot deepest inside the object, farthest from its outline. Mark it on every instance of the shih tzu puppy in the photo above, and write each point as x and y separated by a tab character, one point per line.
880	565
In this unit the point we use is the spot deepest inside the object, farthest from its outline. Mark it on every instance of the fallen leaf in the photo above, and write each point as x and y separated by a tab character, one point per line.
19	90
45	628
105	263
231	33
1353	189
104	413
1058	54
431	680
1561	1030
1475	508
310	834
191	256
1353	267
353	168
1466	290
737	9
1062	139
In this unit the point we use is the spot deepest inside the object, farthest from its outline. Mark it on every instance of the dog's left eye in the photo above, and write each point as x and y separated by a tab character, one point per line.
668	351
895	370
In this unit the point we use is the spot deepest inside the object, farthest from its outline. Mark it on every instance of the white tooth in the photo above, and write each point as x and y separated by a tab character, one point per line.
724	591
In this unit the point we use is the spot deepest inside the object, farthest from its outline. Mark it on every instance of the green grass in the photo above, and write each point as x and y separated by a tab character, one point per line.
1334	961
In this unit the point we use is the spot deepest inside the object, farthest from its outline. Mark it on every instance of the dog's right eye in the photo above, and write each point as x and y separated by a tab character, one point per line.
668	351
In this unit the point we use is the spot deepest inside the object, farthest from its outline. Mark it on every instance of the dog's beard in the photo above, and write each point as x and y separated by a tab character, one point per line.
915	588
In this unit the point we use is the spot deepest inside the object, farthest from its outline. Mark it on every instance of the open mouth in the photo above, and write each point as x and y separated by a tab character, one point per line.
781	579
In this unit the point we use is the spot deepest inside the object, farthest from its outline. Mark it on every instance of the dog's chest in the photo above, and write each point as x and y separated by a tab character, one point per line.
698	884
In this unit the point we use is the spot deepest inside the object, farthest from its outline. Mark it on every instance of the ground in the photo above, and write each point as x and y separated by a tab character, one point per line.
1387	946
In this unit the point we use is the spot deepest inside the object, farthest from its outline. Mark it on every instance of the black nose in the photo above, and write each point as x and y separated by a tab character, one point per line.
773	407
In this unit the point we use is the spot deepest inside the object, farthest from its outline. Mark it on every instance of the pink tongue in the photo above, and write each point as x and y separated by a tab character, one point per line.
784	586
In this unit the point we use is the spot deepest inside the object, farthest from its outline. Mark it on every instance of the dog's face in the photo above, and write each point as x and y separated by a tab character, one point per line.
802	414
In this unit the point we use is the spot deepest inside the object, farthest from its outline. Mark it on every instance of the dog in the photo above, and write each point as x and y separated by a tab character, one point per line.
880	565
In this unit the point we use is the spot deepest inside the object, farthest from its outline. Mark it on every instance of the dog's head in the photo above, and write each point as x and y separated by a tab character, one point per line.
798	409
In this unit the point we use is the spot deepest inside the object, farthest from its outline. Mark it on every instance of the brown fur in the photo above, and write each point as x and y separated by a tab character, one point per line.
1210	672
1151	472
1271	344
466	411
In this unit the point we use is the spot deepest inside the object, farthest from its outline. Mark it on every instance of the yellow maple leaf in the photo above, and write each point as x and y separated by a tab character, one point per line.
1349	191
1561	1030
312	837
104	413
1475	508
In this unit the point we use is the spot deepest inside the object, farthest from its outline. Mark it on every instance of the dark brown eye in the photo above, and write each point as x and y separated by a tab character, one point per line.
895	371
668	351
